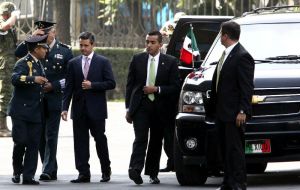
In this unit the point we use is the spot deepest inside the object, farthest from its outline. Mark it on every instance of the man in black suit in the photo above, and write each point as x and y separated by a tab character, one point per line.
88	77
152	78
26	109
232	90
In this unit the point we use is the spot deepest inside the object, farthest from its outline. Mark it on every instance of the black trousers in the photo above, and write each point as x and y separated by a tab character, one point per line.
26	136
147	118
233	153
81	129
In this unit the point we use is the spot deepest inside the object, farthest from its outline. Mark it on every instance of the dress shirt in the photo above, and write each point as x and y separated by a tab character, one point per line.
83	60
227	52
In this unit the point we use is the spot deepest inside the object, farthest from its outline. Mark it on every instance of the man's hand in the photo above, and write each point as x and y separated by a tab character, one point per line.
128	118
86	85
48	87
150	89
40	80
38	32
64	115
240	119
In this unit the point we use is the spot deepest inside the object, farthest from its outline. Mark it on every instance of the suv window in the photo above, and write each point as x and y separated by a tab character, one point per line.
264	41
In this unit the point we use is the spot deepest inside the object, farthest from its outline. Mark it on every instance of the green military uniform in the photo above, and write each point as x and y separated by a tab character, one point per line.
7	61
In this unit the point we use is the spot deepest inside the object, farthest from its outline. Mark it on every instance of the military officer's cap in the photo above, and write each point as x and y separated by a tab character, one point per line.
44	25
37	41
7	7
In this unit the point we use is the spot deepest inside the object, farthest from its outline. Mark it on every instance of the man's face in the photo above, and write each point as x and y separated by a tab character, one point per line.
40	52
152	44
86	47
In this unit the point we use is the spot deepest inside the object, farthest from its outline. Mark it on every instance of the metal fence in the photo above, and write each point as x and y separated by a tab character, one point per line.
124	23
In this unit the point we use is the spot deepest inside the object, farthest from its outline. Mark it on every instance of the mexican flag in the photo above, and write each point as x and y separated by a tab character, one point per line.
189	48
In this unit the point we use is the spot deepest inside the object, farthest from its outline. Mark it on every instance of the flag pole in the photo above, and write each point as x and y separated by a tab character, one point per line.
193	64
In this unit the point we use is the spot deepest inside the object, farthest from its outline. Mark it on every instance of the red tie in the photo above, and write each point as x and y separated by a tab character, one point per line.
86	67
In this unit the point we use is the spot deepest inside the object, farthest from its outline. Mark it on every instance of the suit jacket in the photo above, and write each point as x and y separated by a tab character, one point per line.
26	102
167	78
235	86
93	100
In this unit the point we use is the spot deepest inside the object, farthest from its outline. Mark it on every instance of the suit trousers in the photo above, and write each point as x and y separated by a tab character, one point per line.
48	145
233	153
81	128
26	137
146	118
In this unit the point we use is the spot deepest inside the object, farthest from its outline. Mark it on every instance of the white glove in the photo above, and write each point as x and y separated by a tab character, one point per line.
16	13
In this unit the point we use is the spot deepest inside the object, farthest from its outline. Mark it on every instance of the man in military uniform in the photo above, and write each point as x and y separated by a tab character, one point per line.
55	65
26	109
7	60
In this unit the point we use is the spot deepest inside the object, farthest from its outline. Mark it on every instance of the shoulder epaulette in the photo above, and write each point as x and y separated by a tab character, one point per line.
64	45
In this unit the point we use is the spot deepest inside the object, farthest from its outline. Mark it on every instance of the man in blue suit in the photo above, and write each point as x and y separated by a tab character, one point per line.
88	77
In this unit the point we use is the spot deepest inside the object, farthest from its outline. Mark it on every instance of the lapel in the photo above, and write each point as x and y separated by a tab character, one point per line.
161	64
79	66
144	66
92	65
230	56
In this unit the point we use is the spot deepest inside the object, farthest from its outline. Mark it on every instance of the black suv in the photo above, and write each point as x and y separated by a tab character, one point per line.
271	35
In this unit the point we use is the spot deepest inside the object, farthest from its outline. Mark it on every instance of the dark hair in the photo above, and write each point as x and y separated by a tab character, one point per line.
31	47
156	33
87	36
232	29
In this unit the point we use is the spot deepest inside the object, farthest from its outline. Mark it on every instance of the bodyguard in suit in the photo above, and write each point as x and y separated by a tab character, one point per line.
152	78
26	109
88	77
55	66
232	90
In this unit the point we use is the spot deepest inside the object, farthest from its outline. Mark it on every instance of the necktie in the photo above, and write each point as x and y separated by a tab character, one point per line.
86	67
151	77
219	67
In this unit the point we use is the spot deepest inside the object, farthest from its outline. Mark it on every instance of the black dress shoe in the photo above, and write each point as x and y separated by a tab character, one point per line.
106	177
30	182
16	178
47	177
81	179
224	187
167	169
154	180
135	176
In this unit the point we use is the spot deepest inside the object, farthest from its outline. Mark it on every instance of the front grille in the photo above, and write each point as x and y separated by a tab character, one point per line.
276	102
276	109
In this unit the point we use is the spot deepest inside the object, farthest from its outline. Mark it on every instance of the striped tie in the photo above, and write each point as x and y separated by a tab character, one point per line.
151	78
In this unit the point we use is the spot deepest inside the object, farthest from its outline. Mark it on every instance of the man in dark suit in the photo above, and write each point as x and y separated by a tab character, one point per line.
26	109
232	90
152	78
55	66
88	77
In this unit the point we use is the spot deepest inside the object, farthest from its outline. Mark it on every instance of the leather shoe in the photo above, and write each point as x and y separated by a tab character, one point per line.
224	187
106	177
16	178
30	182
167	169
82	179
47	177
154	180
135	176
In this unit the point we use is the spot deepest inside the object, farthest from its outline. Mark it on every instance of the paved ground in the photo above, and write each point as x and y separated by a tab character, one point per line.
120	137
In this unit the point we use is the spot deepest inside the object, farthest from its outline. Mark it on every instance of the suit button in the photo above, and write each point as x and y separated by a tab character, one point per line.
25	105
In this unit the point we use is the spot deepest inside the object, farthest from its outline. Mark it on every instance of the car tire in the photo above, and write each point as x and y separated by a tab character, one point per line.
187	175
256	168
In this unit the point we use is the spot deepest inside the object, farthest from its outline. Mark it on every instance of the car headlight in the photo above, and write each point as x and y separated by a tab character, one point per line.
190	97
192	101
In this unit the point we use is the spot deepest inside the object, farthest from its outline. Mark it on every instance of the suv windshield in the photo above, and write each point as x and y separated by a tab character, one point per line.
264	41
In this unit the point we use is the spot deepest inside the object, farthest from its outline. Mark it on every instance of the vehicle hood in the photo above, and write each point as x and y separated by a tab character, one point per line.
267	75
